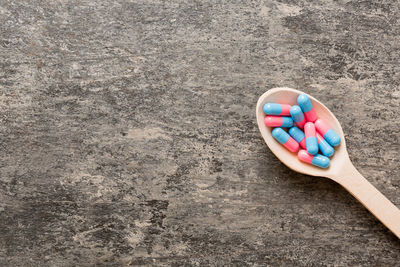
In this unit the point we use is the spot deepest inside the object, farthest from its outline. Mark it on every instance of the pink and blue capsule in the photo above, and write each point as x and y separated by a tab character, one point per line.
275	121
298	116
307	107
277	109
298	135
285	139
311	138
325	148
327	132
317	160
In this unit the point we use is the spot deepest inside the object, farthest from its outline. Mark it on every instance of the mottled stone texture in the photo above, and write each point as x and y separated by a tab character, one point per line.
128	132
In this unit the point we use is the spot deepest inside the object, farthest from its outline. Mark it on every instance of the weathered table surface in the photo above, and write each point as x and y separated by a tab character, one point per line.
128	132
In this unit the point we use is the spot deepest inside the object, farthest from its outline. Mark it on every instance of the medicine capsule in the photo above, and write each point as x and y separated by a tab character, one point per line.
285	139
307	107
298	116
277	109
311	138
275	121
327	132
325	147
317	160
298	135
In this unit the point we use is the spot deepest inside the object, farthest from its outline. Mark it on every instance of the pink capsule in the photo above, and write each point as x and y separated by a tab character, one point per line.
311	115
327	132
307	107
277	109
311	139
298	116
292	145
322	126
275	121
285	110
301	124
303	143
325	148
304	156
317	160
298	135
309	130
285	139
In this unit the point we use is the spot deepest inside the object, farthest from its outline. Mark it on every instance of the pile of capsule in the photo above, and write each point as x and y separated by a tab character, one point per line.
317	135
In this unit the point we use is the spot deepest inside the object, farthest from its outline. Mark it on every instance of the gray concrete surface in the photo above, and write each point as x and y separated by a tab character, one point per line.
128	132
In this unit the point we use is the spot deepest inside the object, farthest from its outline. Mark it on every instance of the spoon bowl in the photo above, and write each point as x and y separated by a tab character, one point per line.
289	96
340	170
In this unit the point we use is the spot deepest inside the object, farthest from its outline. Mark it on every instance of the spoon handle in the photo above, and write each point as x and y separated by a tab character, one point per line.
370	197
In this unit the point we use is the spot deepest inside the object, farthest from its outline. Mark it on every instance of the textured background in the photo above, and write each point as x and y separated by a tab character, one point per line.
128	132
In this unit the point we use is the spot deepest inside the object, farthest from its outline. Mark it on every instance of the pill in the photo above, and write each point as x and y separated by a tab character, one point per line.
285	139
327	132
317	160
311	138
298	116
325	147
307	107
298	135
275	121
277	109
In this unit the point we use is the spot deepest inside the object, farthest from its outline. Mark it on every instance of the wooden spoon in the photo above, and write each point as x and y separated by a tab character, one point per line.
341	170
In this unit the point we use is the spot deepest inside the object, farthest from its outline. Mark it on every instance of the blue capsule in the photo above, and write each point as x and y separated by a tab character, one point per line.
312	145
275	121
304	102
297	114
333	138
327	132
280	135
324	146
321	161
277	109
311	138
298	135
283	138
317	160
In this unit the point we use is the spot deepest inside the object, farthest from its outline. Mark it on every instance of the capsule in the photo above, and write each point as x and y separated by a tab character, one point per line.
284	138
307	107
277	109
298	135
317	160
325	148
275	121
311	138
327	132
298	116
